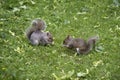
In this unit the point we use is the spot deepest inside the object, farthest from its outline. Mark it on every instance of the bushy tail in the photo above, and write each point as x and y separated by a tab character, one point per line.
28	32
90	44
36	24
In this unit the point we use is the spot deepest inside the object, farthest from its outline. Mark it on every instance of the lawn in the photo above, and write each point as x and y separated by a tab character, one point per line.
80	18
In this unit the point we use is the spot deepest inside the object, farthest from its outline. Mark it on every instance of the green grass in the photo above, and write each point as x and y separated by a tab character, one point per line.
80	18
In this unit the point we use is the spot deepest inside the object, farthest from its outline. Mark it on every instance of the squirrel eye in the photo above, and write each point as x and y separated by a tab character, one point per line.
50	39
48	33
64	42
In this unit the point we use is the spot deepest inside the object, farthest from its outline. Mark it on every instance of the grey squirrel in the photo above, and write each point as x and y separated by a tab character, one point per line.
80	45
36	35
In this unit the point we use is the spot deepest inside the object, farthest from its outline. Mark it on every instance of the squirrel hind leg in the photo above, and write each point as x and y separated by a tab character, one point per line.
78	50
35	42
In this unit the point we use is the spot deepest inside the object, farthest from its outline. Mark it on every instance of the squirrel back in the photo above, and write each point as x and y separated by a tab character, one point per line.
42	38
36	35
36	25
71	42
79	44
90	44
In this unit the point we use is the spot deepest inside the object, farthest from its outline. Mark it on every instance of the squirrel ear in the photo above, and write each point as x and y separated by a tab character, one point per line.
68	36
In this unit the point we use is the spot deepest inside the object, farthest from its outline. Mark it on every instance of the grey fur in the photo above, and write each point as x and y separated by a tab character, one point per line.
39	37
36	35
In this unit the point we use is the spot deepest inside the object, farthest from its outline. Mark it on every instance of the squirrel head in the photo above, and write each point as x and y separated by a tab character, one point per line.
67	41
50	37
47	38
